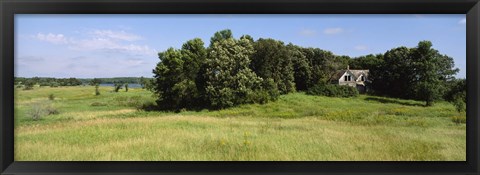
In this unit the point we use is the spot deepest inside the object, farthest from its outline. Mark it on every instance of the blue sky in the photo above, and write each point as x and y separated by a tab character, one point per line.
87	46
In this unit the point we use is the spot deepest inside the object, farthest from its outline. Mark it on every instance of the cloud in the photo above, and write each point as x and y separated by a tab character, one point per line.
308	32
463	21
51	38
118	35
101	40
333	31
361	47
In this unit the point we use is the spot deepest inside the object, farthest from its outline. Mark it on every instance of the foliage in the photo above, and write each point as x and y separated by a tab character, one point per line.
459	119
28	85
272	59
98	104
413	73
457	94
41	109
117	86
228	78
176	76
323	65
51	97
302	71
221	35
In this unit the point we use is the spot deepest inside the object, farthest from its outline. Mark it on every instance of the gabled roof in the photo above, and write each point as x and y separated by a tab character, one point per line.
355	73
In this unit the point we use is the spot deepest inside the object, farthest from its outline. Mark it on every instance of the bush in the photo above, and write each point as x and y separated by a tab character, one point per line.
98	104
41	109
50	110
331	90
459	119
37	111
51	97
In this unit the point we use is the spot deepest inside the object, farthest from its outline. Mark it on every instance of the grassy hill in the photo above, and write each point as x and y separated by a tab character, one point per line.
296	127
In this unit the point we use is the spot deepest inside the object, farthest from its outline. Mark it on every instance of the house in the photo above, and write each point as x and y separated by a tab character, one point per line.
350	77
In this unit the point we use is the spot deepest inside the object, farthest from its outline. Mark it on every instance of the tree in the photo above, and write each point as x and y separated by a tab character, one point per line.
143	82
302	71
126	87
272	59
366	62
432	70
117	85
394	75
221	35
28	84
324	64
176	75
457	93
229	80
419	73
96	82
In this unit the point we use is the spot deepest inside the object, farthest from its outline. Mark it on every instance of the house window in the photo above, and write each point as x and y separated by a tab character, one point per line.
363	78
348	78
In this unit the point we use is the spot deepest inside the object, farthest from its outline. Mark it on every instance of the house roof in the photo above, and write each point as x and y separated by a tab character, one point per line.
355	73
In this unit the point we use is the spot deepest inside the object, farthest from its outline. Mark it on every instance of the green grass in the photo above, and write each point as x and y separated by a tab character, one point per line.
296	127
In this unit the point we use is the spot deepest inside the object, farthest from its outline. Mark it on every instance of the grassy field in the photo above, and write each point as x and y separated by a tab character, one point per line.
296	127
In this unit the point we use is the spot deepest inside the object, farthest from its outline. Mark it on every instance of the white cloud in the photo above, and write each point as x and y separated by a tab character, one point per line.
333	31
51	38
308	32
361	47
101	40
463	21
119	35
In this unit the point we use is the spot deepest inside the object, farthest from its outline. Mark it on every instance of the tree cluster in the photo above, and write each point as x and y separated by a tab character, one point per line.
233	71
420	73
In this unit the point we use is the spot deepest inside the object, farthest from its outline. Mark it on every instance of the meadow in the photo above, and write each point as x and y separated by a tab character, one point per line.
85	127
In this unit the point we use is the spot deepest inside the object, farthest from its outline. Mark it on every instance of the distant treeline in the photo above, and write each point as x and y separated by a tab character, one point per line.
55	82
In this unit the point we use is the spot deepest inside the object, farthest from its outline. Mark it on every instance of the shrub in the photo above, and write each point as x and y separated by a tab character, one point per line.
51	97
98	104
97	92
41	109
50	110
459	119
331	90
37	111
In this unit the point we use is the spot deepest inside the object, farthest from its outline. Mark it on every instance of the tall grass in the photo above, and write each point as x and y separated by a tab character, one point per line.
296	127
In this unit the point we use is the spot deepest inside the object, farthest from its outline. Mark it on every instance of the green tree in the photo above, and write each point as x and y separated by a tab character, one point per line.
366	62
143	82
394	75
229	80
324	64
117	85
28	85
176	75
273	60
432	70
221	35
96	82
301	67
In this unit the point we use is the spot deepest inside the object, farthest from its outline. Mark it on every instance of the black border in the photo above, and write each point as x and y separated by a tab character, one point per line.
10	7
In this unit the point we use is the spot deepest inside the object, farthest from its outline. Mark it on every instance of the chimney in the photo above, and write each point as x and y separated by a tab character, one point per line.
348	67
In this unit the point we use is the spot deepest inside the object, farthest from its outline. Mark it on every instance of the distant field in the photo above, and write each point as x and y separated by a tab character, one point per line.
296	127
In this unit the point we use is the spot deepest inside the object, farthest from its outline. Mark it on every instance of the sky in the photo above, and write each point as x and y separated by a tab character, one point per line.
102	46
